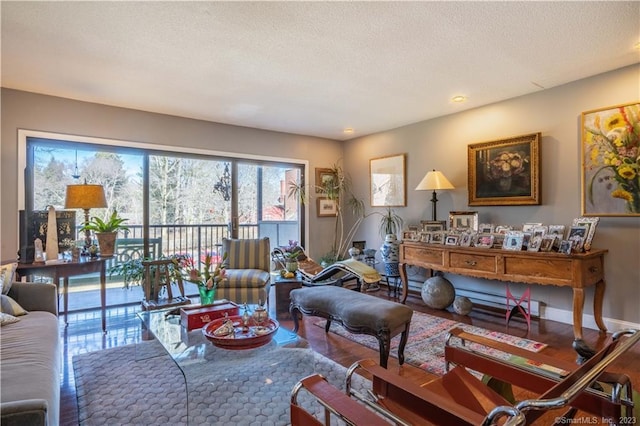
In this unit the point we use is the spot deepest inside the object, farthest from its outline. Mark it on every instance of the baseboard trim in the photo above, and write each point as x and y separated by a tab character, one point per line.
588	320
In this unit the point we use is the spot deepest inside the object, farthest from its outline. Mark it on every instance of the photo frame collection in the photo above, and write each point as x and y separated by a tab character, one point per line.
532	237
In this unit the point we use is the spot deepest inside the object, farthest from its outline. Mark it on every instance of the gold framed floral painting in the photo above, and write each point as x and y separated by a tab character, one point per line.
505	172
610	169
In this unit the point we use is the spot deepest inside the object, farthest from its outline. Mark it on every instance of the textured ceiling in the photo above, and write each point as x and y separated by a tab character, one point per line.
311	68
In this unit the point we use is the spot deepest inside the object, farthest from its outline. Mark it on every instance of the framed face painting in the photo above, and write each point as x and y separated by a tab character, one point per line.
387	180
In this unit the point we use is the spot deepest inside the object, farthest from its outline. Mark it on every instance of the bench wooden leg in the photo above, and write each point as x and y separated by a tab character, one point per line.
403	342
384	340
294	312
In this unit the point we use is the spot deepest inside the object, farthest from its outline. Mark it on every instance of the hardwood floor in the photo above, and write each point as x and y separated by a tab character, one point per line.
83	334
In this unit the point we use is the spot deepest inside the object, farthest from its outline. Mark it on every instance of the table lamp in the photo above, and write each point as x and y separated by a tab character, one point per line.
85	196
432	181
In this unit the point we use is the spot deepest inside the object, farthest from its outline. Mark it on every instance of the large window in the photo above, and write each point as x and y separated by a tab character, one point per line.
175	202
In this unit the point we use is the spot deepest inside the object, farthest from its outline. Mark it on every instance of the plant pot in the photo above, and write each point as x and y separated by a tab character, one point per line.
291	265
107	243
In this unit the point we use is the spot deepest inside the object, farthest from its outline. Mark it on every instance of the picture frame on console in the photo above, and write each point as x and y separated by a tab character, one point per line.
609	186
387	180
463	221
505	172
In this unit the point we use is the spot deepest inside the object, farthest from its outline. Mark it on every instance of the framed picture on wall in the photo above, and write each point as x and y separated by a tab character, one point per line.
609	152
324	180
505	172
326	207
387	180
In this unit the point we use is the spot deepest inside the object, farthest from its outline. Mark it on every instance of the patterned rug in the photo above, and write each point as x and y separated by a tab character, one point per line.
140	384
427	334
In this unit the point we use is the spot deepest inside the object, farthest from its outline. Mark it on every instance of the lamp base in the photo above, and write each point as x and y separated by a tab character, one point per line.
434	201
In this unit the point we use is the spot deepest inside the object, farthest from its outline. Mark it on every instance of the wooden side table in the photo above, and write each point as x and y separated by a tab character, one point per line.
283	288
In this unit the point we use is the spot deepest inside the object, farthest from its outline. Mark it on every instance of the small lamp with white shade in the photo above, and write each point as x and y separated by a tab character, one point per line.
433	181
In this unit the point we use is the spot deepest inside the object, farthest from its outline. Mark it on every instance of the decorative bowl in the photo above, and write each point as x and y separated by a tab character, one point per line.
250	337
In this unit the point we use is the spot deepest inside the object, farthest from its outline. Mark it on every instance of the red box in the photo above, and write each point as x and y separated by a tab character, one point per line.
194	317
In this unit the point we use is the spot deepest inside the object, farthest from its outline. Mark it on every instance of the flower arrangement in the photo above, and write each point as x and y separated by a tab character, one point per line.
612	144
507	164
185	266
293	251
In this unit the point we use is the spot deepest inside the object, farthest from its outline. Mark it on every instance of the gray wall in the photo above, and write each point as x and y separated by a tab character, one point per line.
442	144
23	110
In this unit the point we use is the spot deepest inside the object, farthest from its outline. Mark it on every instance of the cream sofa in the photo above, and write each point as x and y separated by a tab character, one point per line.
30	359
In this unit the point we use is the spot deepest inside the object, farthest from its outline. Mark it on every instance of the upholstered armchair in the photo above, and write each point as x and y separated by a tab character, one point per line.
248	266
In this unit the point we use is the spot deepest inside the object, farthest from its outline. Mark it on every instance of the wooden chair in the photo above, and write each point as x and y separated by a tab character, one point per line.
158	277
460	398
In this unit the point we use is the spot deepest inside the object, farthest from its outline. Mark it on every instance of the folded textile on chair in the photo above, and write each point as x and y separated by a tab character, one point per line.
314	272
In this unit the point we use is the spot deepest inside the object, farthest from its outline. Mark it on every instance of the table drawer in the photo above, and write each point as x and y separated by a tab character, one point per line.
422	256
473	262
552	269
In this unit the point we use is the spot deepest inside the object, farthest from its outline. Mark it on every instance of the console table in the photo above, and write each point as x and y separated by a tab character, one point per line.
543	268
65	270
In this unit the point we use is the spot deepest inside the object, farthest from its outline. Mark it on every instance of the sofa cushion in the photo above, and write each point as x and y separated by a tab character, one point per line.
7	273
251	278
10	306
30	367
6	319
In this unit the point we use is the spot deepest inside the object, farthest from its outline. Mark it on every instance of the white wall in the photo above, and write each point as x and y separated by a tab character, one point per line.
556	113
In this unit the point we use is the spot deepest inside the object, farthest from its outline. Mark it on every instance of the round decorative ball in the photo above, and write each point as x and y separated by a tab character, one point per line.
462	305
438	292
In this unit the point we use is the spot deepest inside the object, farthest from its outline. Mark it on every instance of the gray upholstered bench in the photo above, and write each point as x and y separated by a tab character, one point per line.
357	312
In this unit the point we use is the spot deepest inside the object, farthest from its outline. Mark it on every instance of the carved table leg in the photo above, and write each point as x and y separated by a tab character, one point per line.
598	297
578	305
405	282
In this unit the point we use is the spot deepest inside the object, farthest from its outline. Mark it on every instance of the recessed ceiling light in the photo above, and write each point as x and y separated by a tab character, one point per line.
348	131
458	98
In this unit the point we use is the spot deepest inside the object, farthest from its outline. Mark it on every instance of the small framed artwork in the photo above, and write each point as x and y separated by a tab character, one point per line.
414	228
360	245
590	223
486	228
539	231
500	229
505	172
528	227
548	242
609	151
556	230
437	237
465	239
463	221
577	236
498	240
526	238
387	177
409	235
425	237
451	239
485	240
565	247
513	241
535	243
325	179
327	207
432	225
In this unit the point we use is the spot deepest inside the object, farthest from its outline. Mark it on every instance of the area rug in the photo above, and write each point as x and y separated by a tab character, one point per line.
140	384
427	334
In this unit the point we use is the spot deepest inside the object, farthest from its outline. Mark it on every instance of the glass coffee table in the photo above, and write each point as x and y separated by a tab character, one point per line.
222	386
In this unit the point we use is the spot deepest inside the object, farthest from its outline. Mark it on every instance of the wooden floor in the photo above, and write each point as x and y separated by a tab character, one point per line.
83	334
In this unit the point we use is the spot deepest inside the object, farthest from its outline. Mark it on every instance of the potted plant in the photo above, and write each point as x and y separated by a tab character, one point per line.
106	231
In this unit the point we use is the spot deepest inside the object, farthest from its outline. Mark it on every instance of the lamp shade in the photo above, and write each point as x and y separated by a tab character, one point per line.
85	196
434	180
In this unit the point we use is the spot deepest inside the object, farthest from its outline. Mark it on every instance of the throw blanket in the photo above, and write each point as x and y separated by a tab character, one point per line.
310	269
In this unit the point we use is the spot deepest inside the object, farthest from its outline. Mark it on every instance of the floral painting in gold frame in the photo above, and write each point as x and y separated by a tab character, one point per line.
610	152
505	172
